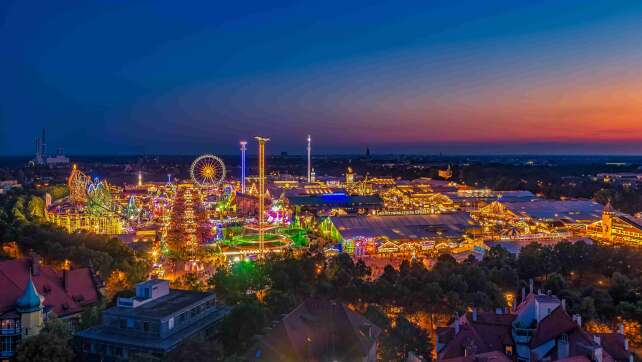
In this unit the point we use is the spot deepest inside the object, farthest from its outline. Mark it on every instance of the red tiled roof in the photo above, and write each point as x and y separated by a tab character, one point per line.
613	343
490	332
14	275
553	325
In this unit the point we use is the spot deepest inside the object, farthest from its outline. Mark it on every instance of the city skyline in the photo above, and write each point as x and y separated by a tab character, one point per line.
466	78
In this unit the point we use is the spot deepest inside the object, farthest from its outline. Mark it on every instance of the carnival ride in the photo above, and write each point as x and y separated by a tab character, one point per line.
95	195
90	206
207	171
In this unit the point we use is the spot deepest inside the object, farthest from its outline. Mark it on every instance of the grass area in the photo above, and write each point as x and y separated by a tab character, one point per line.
298	236
251	239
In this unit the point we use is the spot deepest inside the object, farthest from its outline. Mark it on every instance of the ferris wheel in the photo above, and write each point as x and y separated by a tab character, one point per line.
208	170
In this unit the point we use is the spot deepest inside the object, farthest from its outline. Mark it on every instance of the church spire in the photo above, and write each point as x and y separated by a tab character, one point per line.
30	300
608	208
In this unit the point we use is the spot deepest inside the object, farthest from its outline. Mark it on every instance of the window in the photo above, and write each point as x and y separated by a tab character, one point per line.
170	324
564	338
122	323
131	324
7	345
146	326
509	350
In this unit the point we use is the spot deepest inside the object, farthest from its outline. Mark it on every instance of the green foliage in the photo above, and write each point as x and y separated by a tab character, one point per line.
238	328
403	338
626	200
105	254
91	316
36	208
57	191
52	344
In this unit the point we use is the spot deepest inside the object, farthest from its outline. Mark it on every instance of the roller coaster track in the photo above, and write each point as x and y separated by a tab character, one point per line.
82	191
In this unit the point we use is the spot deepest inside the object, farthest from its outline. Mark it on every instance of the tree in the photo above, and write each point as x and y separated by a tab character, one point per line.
244	321
51	345
405	337
555	283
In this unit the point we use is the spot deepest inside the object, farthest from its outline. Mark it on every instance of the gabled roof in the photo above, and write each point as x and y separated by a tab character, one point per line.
313	331
14	275
552	326
613	343
489	332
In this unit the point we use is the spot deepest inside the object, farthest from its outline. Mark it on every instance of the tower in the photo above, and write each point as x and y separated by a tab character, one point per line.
446	174
262	141
243	149
309	159
43	145
349	176
29	306
607	221
140	178
38	158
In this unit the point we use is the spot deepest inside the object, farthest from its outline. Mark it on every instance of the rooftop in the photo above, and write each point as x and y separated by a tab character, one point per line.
106	334
163	306
338	199
49	283
574	210
404	226
317	330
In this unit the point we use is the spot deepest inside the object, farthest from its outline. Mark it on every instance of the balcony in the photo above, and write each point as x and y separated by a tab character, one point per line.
523	335
6	354
10	331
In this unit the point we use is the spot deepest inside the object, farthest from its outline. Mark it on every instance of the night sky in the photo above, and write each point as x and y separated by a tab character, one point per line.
185	77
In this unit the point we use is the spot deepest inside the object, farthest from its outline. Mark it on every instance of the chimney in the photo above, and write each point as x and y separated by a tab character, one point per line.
539	292
597	340
35	264
475	314
530	285
577	319
523	294
456	324
65	279
620	328
626	344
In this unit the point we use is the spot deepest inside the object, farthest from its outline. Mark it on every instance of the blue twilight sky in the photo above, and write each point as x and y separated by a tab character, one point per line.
160	76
